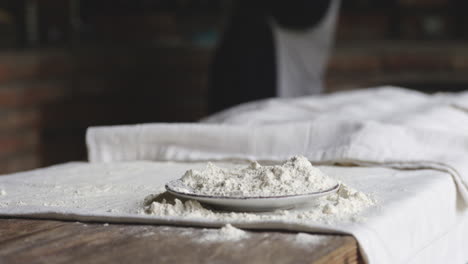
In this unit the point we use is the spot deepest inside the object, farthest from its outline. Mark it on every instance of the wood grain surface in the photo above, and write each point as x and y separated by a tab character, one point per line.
45	241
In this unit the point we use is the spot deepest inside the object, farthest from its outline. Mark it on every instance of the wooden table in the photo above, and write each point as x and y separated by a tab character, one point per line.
45	241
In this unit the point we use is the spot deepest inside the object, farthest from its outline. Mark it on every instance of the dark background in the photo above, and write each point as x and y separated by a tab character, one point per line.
69	64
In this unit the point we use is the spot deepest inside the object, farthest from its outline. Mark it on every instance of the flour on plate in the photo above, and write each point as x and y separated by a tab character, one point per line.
295	176
345	205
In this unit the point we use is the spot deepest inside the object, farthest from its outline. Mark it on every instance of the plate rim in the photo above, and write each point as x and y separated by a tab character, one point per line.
333	189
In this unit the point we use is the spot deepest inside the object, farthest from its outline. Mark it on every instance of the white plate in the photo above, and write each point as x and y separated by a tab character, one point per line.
247	204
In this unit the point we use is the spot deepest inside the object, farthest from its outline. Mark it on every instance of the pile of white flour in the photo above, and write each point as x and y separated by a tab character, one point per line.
345	205
295	176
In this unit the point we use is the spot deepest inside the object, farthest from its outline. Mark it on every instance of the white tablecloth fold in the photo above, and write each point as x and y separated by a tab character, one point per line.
390	127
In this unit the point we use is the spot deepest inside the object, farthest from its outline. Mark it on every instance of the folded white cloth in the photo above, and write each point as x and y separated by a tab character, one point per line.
386	126
418	219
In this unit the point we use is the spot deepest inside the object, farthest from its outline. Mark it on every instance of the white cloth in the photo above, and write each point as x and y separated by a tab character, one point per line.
387	127
382	127
418	220
302	55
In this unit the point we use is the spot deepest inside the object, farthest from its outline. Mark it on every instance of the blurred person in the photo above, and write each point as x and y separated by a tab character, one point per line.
272	48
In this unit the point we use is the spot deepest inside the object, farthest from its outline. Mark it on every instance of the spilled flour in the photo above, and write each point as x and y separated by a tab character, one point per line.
305	239
344	205
295	176
225	233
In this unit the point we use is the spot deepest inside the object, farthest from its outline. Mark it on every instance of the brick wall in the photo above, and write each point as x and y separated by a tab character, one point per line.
418	44
423	65
49	98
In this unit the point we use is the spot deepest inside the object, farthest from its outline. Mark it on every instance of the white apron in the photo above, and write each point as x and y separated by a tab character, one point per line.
301	55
